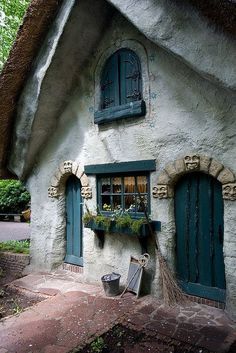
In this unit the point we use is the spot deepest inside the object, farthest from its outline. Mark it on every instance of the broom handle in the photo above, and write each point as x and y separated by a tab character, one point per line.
148	222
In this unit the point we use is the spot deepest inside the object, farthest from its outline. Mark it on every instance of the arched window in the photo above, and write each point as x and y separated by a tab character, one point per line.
121	88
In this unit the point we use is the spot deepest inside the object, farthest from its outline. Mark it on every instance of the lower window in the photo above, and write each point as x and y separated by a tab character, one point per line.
125	193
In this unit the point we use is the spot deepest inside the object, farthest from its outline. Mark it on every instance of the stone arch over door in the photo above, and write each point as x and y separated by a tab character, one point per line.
58	181
68	179
163	191
194	162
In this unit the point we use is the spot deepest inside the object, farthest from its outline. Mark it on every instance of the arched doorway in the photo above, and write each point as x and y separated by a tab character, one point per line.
199	217
74	239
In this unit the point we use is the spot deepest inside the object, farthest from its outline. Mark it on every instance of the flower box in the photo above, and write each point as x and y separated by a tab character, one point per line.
144	229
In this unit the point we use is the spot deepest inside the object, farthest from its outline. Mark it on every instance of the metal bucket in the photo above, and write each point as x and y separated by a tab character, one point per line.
111	284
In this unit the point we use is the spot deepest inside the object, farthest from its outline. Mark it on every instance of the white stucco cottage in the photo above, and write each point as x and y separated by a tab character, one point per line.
126	99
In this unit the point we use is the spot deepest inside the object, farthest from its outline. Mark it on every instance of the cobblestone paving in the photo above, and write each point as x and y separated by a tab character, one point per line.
193	323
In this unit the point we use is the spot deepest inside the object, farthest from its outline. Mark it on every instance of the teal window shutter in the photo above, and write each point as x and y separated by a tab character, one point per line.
121	88
130	77
109	83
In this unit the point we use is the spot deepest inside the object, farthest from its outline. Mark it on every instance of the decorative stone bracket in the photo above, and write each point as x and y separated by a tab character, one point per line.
162	191
66	169
229	191
194	162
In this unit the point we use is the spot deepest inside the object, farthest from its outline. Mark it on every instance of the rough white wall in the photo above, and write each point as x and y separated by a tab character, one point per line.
230	256
44	96
181	30
186	114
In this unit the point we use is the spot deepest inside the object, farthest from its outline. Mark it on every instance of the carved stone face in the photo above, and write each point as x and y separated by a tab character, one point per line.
86	192
192	162
68	166
229	191
160	191
154	191
52	191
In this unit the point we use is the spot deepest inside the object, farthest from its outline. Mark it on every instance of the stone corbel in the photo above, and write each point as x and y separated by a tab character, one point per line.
192	162
162	191
53	192
86	192
67	166
229	191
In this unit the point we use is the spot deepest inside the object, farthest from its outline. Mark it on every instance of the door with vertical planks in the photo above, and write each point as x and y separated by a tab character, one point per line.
74	243
199	217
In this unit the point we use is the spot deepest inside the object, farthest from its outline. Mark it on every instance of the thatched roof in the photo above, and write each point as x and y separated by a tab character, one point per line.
38	18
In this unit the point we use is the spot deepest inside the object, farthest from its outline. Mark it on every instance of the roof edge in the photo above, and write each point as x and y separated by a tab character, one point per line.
16	69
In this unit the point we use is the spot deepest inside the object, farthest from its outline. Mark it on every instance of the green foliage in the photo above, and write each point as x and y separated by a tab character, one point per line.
103	221
137	224
99	219
118	332
16	246
13	196
88	217
98	345
17	309
11	15
122	220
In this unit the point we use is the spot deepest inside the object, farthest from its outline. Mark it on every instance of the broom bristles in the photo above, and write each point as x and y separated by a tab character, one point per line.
172	294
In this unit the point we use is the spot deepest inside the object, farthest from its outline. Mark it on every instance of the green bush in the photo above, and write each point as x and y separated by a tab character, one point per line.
13	196
16	246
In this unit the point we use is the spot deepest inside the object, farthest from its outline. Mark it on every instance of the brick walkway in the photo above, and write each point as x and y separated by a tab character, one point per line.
76	312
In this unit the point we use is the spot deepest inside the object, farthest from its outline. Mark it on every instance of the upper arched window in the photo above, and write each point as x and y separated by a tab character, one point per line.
121	88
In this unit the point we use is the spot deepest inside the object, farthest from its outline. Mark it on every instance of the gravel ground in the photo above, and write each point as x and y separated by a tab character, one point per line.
14	231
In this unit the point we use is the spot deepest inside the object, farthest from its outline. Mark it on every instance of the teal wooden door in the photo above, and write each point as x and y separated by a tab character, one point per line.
74	243
199	236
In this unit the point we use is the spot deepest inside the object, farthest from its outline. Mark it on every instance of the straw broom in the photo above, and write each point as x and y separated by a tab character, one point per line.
172	294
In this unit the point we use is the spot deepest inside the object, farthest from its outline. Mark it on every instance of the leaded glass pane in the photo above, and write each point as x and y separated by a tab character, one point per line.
142	184
106	203
129	184
116	182
130	203
106	185
116	203
142	203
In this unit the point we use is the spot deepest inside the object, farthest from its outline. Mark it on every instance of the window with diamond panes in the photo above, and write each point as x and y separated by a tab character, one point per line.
121	88
127	193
